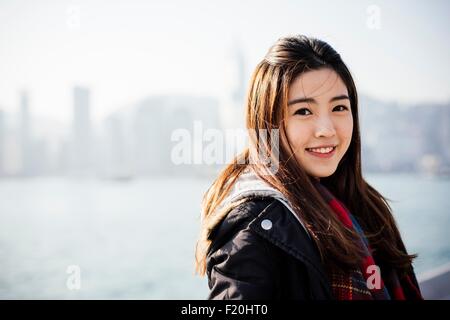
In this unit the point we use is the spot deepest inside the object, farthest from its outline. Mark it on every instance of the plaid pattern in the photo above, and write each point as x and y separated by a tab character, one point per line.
353	285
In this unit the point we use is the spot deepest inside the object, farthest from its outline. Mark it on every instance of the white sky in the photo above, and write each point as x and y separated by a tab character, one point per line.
126	50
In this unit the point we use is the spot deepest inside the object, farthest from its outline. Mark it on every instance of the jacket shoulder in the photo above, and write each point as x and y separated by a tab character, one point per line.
237	219
240	263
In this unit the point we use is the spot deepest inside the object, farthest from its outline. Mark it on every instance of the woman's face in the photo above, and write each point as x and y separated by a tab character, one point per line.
319	115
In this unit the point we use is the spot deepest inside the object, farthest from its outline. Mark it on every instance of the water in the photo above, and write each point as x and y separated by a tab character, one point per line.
135	240
421	207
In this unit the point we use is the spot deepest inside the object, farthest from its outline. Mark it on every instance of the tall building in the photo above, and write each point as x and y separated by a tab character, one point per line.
116	162
235	87
149	137
82	144
25	135
2	142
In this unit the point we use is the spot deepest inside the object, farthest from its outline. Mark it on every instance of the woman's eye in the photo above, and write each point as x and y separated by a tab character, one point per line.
301	111
343	108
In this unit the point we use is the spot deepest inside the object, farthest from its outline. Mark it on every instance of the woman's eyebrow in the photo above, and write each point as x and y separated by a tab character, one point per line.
313	101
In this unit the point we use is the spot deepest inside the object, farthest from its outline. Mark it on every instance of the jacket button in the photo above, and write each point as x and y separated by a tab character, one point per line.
266	224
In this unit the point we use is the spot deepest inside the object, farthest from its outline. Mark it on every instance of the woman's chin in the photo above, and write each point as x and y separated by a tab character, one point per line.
321	173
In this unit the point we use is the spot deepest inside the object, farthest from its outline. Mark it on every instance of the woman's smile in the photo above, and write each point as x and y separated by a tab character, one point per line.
323	153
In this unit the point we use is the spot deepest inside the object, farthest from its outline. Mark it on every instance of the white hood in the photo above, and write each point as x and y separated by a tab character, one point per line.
249	184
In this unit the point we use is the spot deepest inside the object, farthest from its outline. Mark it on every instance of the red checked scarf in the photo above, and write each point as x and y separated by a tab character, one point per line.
354	284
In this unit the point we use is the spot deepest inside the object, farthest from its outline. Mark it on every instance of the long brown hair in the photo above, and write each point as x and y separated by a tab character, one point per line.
266	106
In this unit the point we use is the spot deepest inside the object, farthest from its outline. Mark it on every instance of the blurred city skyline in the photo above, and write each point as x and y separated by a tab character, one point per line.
139	140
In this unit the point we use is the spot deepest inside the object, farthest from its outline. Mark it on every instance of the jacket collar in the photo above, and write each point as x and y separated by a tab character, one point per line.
249	185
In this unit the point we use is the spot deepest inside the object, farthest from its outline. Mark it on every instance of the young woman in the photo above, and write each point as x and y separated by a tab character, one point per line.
292	216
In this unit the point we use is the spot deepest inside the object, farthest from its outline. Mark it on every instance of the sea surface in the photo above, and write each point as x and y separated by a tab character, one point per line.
135	239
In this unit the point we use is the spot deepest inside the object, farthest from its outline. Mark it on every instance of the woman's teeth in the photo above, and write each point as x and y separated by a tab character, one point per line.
321	150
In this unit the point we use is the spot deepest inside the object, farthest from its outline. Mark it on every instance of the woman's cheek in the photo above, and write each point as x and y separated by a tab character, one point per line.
346	131
298	135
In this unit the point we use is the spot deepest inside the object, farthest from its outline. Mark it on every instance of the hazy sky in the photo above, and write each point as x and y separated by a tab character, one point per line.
126	50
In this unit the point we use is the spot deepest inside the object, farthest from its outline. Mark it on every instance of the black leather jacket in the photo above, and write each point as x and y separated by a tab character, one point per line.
260	251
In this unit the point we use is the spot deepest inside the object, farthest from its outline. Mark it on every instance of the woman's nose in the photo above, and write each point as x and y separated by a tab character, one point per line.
325	128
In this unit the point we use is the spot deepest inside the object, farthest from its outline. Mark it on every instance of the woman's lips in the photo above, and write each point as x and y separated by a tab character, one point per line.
322	155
